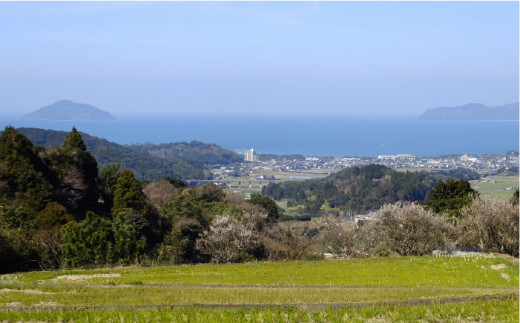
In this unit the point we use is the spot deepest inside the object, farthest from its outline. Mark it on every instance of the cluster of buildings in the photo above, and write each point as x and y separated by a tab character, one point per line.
473	162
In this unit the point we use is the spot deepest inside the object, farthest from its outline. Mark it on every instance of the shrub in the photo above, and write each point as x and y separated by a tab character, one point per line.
53	215
284	240
174	249
490	224
19	251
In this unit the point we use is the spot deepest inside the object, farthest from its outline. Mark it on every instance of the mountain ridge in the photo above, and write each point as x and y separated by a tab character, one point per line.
144	166
193	152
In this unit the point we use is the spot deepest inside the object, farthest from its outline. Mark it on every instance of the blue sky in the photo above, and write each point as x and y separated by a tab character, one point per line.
258	57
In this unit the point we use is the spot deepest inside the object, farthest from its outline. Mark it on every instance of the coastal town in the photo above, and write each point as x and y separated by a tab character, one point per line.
265	167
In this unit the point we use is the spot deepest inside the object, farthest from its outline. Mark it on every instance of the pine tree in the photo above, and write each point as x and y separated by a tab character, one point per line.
80	190
87	243
73	142
128	195
77	156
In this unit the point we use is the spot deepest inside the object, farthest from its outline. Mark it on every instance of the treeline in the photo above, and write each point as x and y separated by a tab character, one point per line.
358	190
459	173
195	152
57	209
143	165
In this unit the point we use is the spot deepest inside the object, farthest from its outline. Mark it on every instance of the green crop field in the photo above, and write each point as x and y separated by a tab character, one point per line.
441	288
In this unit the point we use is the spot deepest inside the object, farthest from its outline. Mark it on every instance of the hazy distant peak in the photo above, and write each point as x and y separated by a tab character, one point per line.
68	110
65	102
472	111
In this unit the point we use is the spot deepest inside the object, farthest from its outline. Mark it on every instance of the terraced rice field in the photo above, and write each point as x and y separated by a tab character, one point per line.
442	288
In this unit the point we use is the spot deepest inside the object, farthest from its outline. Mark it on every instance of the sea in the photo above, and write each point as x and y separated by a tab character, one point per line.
334	136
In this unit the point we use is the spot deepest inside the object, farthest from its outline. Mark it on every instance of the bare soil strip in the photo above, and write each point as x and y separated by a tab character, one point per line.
303	307
319	287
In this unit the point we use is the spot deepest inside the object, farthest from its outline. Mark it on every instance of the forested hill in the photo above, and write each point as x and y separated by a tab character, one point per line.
144	166
355	189
194	152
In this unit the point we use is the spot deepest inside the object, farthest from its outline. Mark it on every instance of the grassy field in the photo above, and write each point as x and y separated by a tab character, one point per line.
501	187
476	288
248	184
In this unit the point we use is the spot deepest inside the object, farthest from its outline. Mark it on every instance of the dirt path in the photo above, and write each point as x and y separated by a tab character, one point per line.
305	307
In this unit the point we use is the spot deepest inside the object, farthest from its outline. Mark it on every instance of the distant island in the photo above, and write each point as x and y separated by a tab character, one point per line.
472	111
68	110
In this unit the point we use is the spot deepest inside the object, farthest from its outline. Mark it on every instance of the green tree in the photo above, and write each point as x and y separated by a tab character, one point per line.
177	247
188	206
209	193
129	243
109	175
77	155
13	215
80	190
269	205
450	197
128	194
73	141
23	174
188	217
88	243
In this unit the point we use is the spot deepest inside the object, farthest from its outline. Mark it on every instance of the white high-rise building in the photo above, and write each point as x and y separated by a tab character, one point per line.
250	155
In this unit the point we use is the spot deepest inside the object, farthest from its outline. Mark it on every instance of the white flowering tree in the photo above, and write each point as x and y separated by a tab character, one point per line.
490	224
230	238
339	237
411	230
